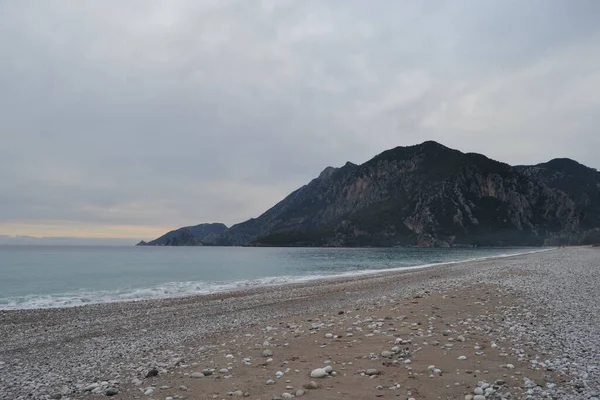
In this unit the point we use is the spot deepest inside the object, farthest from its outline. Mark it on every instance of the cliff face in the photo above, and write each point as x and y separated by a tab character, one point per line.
580	183
188	236
426	195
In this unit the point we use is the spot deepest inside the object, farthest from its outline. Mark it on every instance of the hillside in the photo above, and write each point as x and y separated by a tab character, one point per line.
430	195
188	236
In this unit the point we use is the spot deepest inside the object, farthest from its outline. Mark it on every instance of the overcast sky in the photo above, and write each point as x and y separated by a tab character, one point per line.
129	118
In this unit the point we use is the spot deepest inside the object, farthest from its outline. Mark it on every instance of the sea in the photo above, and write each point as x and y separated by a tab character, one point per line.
63	276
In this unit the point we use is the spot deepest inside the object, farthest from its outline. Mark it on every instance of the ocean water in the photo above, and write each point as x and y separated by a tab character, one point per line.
46	276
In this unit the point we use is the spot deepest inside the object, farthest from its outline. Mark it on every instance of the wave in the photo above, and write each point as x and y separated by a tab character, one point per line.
185	289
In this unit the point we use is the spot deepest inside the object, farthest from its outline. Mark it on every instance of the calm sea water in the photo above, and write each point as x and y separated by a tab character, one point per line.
44	276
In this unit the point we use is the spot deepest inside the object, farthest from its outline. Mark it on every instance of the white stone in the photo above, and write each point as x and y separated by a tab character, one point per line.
328	369
462	358
318	373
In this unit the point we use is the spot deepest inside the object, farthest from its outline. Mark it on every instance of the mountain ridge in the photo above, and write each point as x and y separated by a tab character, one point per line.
431	195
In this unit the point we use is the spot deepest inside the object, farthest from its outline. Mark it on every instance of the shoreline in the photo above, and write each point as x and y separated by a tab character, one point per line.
293	280
62	351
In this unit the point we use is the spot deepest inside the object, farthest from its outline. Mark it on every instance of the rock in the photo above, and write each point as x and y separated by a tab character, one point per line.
90	387
479	397
270	382
287	396
207	372
469	397
183	388
267	353
328	369
153	372
311	385
111	392
299	393
238	393
136	382
56	396
478	390
318	373
329	335
371	372
224	371
197	375
387	354
148	391
462	358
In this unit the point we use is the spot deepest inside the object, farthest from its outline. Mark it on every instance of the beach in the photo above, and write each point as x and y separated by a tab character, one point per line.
516	327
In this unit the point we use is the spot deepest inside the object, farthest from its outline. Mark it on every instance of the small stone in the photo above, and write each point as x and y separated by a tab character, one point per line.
318	373
207	372
229	356
311	385
111	392
287	395
183	388
148	391
238	393
329	335
153	372
386	354
299	393
270	382
328	369
478	390
371	372
479	397
267	353
56	396
197	375
469	397
462	358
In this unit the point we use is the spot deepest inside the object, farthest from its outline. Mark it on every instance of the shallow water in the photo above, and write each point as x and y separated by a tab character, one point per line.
47	276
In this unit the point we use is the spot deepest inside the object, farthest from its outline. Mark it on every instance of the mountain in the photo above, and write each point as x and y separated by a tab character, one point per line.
430	195
580	183
188	236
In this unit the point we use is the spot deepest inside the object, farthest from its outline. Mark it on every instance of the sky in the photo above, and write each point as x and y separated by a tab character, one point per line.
125	119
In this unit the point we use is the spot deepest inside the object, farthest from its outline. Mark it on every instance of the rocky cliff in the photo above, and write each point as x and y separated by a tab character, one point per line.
430	195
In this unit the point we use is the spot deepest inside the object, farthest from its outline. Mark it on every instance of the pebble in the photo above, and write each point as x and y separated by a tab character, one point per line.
462	358
318	373
299	393
371	372
287	395
311	385
197	375
267	353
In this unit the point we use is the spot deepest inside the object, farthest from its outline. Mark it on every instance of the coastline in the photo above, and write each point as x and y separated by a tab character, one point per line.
62	351
179	290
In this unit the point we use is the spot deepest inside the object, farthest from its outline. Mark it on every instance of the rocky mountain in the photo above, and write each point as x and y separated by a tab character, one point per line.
580	183
431	195
189	236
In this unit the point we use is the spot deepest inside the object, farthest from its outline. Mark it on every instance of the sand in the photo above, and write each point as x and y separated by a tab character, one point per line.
526	325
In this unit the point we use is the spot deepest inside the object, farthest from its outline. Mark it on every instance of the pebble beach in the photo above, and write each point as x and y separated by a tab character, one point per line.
521	327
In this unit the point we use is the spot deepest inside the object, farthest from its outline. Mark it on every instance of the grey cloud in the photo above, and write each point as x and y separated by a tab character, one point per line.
168	113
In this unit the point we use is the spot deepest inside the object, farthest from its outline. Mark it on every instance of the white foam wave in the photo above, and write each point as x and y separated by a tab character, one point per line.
184	289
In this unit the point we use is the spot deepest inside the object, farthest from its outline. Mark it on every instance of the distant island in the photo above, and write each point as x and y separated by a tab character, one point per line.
425	195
